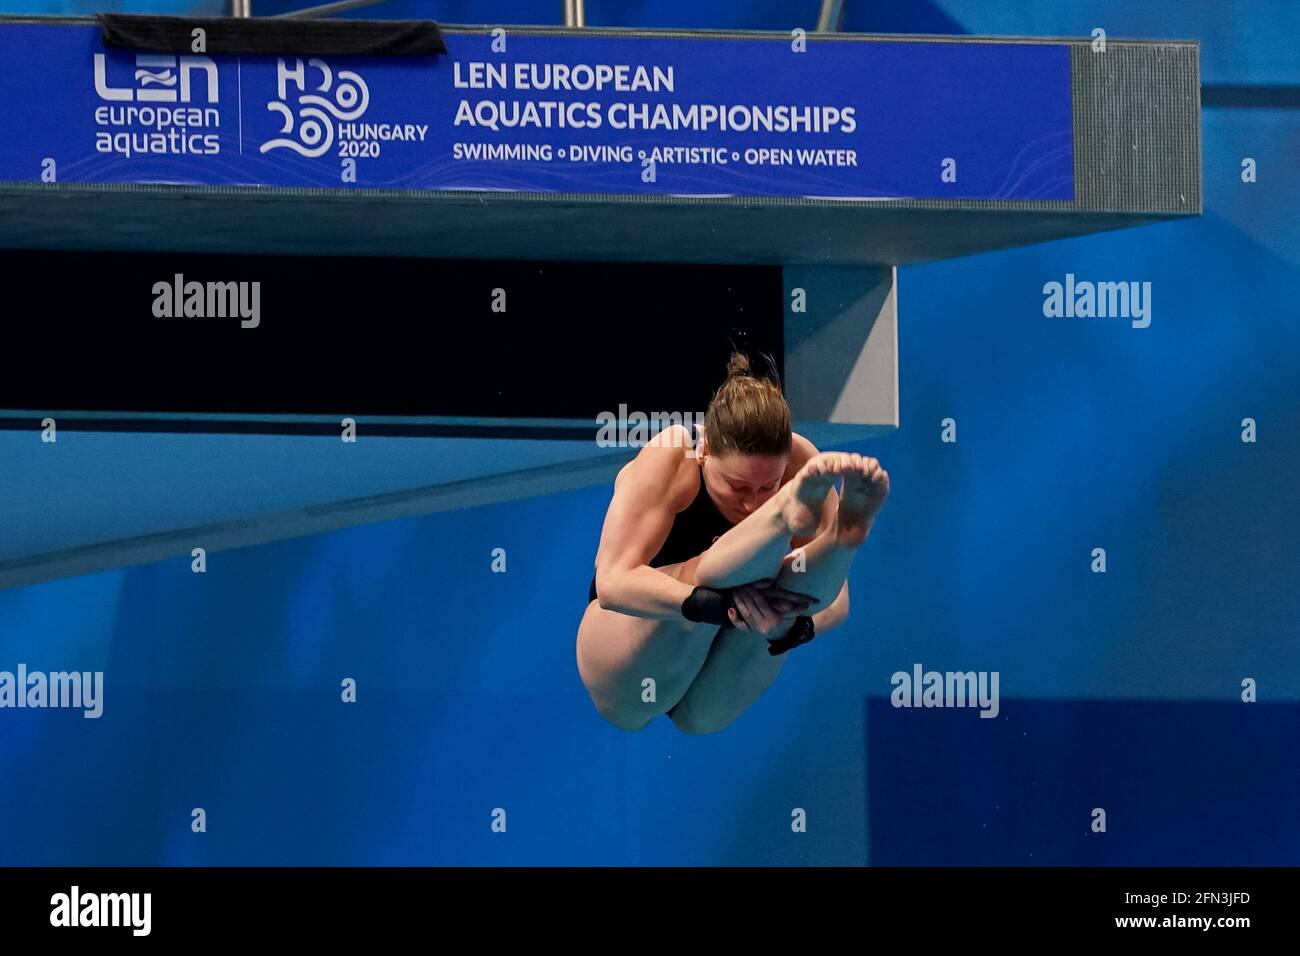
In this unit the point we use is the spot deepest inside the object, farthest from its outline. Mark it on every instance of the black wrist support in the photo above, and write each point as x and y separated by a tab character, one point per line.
801	632
708	606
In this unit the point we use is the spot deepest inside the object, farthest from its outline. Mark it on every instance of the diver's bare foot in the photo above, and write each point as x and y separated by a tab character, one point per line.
806	493
862	497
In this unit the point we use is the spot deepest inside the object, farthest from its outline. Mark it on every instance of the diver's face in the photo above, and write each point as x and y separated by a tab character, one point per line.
739	484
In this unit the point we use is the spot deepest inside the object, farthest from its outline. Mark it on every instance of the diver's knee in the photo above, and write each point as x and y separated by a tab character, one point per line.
623	719
696	724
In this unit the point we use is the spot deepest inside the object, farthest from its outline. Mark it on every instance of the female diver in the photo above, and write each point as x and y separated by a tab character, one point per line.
720	551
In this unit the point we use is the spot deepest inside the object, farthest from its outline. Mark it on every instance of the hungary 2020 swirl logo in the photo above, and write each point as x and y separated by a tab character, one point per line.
335	99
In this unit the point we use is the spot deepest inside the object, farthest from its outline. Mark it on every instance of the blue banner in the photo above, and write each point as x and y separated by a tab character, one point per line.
700	116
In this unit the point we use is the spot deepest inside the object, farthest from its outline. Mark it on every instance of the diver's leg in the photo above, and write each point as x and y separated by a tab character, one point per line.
739	668
754	549
618	652
736	673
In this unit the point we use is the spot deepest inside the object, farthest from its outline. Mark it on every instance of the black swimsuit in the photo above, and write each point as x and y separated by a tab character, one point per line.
693	531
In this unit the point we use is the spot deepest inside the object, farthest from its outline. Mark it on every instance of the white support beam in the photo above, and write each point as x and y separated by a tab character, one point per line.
841	351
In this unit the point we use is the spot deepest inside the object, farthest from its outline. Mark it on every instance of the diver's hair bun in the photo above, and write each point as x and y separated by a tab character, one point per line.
748	414
738	364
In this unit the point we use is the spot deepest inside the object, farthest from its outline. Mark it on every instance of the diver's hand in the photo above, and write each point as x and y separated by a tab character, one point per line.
718	605
766	611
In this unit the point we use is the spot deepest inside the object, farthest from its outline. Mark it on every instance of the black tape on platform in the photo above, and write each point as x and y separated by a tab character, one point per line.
253	35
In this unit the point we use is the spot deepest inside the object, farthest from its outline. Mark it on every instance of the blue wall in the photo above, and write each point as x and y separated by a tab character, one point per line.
1118	690
87	8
